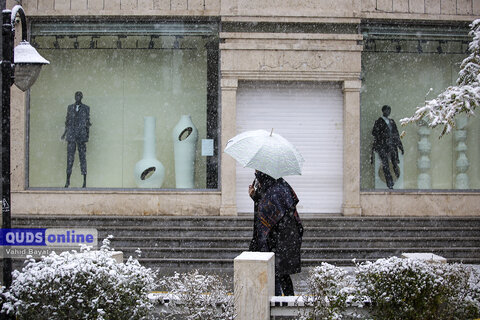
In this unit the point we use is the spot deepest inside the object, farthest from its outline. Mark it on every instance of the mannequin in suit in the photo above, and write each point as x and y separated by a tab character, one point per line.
386	142
76	133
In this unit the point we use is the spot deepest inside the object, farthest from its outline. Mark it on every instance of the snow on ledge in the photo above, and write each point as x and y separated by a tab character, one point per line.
425	256
254	256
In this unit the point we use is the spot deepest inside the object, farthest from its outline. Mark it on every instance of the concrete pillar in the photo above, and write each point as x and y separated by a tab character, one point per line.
254	285
229	130
17	134
351	153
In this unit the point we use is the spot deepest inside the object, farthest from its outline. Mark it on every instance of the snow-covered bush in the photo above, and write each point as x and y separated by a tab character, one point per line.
7	302
393	289
81	285
413	289
194	296
329	293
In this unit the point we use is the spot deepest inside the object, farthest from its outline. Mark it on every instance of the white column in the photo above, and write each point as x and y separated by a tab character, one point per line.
254	285
423	162
461	181
351	148
229	130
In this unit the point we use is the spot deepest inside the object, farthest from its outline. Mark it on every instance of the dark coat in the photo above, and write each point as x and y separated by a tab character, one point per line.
384	140
77	123
277	225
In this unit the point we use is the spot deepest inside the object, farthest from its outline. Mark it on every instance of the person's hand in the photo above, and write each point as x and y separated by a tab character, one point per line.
251	190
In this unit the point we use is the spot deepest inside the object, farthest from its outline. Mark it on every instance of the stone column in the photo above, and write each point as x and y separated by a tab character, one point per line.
17	134
254	285
462	164
423	162
351	148
229	130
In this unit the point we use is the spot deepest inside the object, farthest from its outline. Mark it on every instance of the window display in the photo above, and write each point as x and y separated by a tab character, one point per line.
402	66
133	77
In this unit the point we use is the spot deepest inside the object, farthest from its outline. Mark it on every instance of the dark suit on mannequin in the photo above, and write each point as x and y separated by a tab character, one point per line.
77	127
386	142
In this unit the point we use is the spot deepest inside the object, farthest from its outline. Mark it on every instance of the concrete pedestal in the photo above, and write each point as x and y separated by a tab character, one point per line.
254	285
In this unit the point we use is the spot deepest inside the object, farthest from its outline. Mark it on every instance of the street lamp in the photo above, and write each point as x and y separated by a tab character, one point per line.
20	65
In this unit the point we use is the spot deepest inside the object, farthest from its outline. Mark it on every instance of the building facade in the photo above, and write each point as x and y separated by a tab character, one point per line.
197	72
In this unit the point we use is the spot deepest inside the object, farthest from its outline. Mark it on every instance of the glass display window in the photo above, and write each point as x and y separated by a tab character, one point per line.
125	105
402	67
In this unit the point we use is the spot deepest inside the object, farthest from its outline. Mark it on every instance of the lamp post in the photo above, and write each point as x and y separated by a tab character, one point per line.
20	65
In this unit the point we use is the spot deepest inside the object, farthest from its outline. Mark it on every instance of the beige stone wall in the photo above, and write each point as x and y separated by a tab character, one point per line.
420	204
251	56
262	10
307	9
117	203
283	56
421	9
121	7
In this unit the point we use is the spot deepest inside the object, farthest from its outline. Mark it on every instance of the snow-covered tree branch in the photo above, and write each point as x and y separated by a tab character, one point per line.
464	97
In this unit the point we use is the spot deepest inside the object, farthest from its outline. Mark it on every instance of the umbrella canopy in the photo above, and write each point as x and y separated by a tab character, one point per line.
267	152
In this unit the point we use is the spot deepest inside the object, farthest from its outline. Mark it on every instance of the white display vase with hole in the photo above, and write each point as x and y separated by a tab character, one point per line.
185	136
149	172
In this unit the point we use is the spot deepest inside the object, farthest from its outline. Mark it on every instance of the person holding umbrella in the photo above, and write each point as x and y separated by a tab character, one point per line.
277	226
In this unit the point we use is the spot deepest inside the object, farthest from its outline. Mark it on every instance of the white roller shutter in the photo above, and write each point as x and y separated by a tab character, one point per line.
310	115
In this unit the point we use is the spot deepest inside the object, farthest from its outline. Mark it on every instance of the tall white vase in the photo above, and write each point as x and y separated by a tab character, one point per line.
185	136
149	172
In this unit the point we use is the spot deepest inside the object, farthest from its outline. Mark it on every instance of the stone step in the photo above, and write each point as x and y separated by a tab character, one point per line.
355	232
308	242
124	231
131	221
211	243
307	253
318	220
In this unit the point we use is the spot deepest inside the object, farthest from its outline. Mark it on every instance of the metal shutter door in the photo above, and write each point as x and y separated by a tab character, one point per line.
310	115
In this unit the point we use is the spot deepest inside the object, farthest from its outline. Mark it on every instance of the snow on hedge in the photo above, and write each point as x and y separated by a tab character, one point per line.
394	288
331	290
80	285
399	288
195	296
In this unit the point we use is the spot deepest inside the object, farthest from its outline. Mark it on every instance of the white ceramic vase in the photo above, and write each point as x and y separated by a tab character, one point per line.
149	172
185	136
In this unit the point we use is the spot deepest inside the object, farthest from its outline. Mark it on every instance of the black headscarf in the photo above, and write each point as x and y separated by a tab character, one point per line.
277	198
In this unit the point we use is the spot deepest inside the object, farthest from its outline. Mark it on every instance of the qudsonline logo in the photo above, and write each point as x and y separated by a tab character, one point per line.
21	242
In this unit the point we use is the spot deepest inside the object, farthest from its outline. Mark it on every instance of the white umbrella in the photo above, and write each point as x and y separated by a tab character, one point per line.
267	152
